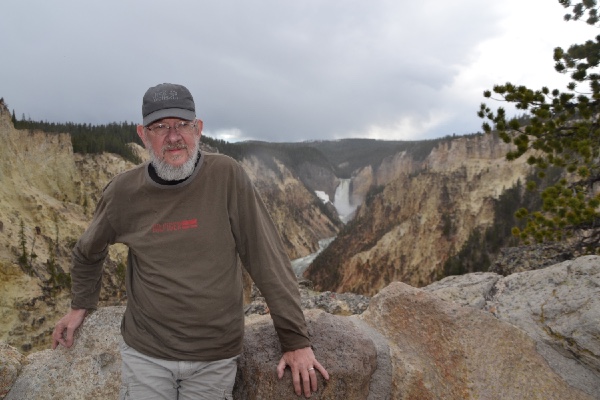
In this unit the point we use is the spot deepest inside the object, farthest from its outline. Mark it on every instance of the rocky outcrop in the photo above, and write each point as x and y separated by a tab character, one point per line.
440	350
558	306
349	355
331	302
90	370
11	363
409	344
531	257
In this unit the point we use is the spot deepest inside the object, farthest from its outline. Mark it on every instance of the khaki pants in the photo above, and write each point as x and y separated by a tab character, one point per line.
148	378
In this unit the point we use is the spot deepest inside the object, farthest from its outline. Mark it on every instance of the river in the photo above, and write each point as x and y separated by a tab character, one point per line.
345	210
300	264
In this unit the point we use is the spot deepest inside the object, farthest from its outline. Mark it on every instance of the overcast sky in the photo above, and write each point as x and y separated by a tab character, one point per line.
280	70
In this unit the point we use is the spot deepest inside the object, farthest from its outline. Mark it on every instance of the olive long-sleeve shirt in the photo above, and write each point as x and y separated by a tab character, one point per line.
184	283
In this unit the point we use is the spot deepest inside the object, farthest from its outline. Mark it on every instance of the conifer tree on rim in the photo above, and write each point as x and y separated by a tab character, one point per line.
562	129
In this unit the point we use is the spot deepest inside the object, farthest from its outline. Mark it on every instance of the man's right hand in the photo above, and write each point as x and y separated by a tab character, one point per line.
65	328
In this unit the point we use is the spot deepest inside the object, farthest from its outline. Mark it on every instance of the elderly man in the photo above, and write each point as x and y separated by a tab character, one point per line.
186	217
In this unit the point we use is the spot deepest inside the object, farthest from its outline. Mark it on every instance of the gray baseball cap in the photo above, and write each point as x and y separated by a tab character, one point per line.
168	100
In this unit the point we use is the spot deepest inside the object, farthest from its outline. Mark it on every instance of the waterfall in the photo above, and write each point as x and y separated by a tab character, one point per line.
345	209
341	201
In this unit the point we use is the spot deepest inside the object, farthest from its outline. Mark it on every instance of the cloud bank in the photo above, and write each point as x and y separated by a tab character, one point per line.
280	71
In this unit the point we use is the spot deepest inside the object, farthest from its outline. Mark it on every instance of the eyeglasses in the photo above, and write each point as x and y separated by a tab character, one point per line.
182	128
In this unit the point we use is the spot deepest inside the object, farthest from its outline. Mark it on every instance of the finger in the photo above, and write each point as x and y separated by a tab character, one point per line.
306	383
57	336
296	381
54	340
322	370
313	379
70	334
281	368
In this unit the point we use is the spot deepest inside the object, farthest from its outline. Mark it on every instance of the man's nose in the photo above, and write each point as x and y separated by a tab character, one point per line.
173	135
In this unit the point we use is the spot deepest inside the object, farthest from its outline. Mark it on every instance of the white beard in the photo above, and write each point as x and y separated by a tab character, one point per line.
172	173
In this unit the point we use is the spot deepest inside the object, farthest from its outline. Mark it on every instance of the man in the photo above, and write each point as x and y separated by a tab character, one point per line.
187	216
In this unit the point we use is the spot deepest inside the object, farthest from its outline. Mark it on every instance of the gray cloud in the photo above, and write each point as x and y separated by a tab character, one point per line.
269	70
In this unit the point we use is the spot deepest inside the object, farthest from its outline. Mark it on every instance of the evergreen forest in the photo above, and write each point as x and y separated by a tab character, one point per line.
88	138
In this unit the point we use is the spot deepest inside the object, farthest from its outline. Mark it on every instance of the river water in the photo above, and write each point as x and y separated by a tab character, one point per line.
345	210
300	264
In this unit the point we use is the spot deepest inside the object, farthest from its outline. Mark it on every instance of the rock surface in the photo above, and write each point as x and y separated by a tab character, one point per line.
559	307
440	350
528	258
331	302
408	344
348	354
11	362
91	369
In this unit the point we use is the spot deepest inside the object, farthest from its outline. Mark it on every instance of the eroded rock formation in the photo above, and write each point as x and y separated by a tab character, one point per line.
409	344
416	214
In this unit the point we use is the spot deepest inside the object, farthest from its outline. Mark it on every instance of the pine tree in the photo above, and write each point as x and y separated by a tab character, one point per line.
563	130
23	257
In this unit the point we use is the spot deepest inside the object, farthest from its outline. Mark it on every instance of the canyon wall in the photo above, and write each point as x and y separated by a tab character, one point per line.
416	214
296	211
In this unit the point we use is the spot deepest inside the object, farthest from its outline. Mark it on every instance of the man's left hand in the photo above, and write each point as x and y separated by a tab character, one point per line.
304	365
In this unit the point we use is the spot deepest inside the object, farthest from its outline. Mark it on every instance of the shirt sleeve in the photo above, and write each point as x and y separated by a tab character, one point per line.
88	259
263	255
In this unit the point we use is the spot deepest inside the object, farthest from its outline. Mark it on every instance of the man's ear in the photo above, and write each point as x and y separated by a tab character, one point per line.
141	133
200	124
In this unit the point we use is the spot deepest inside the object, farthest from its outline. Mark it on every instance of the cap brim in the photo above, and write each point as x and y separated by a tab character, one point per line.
181	113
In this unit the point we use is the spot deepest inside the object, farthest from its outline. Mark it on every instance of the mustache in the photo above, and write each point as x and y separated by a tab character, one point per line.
174	146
